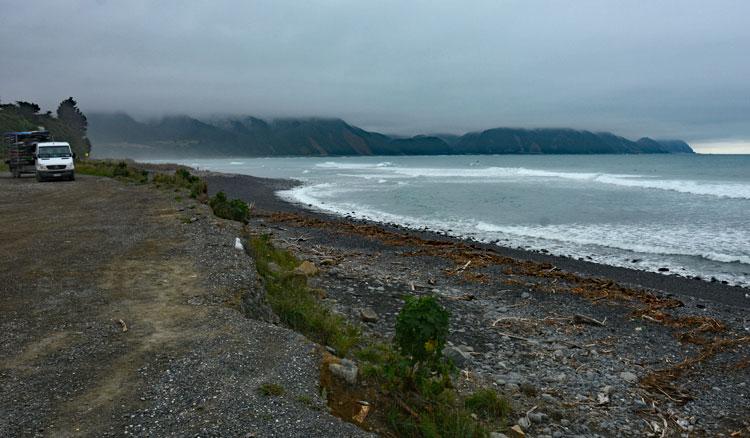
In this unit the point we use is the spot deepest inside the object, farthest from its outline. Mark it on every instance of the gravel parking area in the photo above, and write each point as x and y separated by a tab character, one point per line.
123	313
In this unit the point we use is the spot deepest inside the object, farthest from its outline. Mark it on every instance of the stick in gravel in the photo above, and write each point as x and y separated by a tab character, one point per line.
123	325
583	319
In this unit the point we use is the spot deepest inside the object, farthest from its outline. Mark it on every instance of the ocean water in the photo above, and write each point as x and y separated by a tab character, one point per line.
690	214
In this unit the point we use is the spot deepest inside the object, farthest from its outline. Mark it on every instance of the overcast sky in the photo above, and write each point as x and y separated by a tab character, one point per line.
658	68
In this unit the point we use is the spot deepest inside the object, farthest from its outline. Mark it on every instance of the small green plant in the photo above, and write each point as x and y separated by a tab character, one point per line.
421	330
271	389
308	401
235	209
487	404
182	179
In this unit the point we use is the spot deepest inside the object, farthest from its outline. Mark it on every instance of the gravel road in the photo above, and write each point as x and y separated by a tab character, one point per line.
121	314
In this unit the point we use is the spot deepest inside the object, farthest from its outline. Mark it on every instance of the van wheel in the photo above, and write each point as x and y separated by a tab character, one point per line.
39	177
72	177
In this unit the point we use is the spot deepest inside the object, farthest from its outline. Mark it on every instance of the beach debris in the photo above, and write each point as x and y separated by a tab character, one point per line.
367	314
458	356
346	370
517	432
364	409
238	244
602	399
464	297
306	268
524	422
583	319
123	326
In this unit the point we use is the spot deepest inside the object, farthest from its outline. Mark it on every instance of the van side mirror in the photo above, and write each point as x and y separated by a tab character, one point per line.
74	155
33	155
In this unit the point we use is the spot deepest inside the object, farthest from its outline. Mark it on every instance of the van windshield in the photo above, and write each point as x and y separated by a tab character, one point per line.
54	152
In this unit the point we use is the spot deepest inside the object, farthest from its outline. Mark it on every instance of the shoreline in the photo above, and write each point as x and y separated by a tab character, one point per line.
592	350
262	193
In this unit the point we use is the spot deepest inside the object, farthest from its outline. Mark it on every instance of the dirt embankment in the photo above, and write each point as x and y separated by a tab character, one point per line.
120	315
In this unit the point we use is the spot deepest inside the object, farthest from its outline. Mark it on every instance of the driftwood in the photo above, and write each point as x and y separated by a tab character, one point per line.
583	319
464	297
123	325
406	407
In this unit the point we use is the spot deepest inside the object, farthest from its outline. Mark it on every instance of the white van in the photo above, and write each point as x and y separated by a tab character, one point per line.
54	160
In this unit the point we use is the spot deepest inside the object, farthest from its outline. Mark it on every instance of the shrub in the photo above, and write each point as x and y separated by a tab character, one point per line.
121	169
236	209
486	403
182	178
421	330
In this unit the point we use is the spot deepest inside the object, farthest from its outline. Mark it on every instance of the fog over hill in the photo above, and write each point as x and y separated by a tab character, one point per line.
118	135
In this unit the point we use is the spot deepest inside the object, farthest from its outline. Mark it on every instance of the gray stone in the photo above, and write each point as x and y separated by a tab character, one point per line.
368	314
458	357
498	435
273	267
346	370
537	417
466	348
524	422
525	296
628	377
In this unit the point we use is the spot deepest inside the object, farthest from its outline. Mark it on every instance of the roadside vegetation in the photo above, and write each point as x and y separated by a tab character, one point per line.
295	302
232	209
112	169
125	170
409	383
182	178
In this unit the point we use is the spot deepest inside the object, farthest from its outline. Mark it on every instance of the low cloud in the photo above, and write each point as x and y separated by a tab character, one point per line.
663	69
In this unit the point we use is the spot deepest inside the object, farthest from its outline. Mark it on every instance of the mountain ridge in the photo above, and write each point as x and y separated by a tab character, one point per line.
119	135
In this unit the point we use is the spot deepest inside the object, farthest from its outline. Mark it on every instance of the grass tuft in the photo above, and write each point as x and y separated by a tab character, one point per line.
271	389
487	404
296	303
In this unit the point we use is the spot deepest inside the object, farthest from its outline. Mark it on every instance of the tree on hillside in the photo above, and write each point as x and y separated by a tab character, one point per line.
28	109
76	123
69	113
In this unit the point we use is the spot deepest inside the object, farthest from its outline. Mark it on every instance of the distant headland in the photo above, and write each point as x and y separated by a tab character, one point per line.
119	135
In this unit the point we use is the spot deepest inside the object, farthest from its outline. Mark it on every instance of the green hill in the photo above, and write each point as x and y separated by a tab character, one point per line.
118	135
